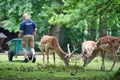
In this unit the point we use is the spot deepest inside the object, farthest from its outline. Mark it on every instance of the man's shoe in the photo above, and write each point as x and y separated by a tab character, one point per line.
34	60
30	57
25	60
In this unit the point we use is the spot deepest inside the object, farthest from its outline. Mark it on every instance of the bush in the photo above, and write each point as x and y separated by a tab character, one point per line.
117	75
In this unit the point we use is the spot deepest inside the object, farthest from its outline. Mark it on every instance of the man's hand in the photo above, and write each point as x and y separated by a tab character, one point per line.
34	33
20	33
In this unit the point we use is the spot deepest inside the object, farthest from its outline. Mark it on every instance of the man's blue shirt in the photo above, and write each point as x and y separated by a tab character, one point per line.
28	26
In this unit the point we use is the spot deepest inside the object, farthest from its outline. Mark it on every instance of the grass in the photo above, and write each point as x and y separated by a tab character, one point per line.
16	70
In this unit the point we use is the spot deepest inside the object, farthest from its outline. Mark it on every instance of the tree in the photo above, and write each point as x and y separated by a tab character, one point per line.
74	12
12	12
99	15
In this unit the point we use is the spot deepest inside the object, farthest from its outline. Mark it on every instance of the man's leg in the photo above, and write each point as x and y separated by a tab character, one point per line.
34	55
25	42
32	48
25	55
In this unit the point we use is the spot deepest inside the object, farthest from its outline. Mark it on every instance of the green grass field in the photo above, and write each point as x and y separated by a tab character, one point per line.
16	70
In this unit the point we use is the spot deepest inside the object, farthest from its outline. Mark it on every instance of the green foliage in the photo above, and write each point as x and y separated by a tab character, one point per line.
75	12
13	11
75	40
117	75
96	14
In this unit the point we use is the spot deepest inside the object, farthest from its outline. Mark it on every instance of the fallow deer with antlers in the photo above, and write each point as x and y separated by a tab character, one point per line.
107	44
50	43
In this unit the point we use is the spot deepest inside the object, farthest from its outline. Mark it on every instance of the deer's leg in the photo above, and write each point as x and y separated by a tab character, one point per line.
54	57
43	57
115	59
47	56
103	63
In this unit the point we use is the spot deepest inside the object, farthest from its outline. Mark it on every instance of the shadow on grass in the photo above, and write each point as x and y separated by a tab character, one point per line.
98	70
17	61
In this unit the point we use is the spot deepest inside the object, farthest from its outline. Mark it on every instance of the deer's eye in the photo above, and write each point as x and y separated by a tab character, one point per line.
85	52
67	56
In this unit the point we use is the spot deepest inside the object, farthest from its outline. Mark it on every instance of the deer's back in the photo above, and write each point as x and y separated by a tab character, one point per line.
48	41
108	43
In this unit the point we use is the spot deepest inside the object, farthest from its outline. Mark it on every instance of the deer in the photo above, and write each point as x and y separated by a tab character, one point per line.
50	43
88	47
104	45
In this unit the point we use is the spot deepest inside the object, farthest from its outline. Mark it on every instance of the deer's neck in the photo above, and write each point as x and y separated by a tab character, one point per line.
94	54
59	50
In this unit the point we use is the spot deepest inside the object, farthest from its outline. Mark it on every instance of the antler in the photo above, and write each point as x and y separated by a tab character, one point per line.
69	52
75	49
68	47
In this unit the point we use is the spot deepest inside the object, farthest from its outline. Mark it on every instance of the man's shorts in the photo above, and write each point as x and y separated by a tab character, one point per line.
28	40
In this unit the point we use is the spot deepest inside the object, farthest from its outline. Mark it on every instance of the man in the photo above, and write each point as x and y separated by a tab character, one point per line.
28	29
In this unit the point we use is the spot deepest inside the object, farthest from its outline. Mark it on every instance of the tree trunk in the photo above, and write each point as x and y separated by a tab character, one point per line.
55	30
93	30
103	26
60	1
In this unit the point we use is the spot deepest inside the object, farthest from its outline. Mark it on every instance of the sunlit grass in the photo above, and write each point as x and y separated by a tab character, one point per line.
19	70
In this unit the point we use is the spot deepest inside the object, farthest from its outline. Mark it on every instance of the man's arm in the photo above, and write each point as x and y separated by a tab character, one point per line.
35	31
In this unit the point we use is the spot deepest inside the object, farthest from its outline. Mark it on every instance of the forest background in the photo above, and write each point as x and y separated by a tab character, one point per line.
71	21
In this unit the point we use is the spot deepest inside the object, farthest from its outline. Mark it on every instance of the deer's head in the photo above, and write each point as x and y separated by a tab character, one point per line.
87	59
69	55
